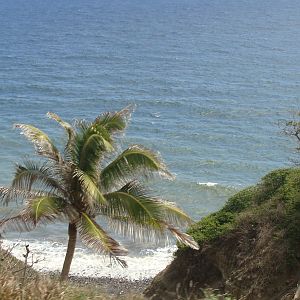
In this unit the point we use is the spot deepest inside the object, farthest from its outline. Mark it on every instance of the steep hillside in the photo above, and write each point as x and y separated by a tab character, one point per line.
249	249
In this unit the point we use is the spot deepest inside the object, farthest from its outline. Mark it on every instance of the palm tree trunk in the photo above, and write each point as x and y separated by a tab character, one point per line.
70	252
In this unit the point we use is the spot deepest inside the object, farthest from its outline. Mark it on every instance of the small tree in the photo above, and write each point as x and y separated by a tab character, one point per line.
78	186
292	128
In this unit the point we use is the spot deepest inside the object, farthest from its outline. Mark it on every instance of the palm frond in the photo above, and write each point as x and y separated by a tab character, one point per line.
32	173
135	159
10	194
94	237
132	201
182	237
141	232
174	215
20	222
135	213
90	188
89	145
45	208
145	232
41	141
4	191
115	121
68	128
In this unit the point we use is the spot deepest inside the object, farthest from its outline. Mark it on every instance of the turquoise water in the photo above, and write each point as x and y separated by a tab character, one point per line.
211	80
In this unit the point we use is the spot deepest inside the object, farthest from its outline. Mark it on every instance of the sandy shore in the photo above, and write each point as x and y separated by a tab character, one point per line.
113	286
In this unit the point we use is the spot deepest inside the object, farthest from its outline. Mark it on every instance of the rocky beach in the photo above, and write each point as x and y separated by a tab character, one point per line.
113	286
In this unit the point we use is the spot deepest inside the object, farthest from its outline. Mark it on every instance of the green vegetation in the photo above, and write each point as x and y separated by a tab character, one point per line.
81	183
210	294
276	199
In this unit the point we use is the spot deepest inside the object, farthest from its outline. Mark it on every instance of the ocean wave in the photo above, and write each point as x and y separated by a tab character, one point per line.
207	183
225	187
50	256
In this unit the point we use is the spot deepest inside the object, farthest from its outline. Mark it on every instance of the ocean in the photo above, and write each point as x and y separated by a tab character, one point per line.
211	81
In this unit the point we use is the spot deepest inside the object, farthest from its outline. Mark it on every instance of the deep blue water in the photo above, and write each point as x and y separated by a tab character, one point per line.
211	79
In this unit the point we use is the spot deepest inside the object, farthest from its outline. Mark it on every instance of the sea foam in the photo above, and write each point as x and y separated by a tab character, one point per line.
208	183
50	256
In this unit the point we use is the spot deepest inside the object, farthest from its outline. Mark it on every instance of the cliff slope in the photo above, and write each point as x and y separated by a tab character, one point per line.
249	249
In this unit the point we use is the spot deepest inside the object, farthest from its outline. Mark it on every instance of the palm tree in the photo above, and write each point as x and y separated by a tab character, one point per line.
79	184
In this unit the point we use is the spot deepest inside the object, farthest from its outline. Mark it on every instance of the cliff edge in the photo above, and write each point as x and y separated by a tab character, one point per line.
249	249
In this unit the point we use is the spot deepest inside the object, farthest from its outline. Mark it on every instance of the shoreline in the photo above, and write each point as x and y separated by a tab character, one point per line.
112	286
109	285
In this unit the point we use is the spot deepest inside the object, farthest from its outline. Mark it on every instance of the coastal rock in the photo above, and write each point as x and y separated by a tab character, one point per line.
249	249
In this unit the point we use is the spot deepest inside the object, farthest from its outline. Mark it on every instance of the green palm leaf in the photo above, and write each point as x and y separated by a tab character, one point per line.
132	201
45	208
31	173
90	144
136	230
135	159
134	212
145	232
93	236
93	148
115	121
90	188
41	141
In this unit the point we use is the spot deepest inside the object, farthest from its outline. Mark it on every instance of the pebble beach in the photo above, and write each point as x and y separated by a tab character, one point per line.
113	286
